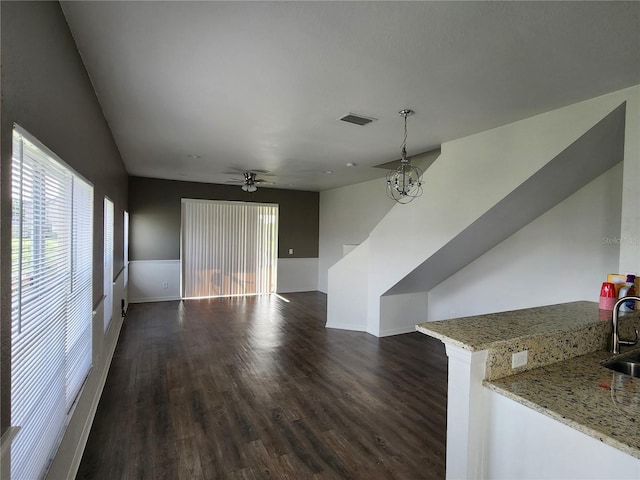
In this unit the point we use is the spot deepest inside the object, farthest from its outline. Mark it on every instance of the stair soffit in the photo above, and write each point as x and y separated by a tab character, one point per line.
592	154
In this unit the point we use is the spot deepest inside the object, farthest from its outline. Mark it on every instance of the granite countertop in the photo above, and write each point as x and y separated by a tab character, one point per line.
584	395
549	334
563	378
483	332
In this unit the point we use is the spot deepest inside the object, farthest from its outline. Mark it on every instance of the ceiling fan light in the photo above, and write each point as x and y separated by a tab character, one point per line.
249	182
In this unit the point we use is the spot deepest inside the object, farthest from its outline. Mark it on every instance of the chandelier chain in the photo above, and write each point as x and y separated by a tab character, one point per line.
404	142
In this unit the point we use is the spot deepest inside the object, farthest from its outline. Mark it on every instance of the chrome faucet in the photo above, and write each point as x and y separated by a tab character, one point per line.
616	341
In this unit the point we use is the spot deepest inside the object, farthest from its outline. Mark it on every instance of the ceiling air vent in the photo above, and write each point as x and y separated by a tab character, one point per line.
357	119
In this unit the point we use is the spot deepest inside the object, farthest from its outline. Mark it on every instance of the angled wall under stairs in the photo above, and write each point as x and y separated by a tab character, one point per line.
481	190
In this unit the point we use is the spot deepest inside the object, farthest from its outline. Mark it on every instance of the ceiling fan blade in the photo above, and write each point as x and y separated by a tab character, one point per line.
237	170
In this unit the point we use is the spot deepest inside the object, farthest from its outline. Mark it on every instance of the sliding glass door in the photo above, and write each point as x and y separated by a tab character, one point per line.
228	248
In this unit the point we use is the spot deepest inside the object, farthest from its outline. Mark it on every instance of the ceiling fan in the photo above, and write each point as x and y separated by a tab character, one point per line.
250	182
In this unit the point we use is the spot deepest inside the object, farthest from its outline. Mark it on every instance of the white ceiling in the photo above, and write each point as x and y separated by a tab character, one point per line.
195	90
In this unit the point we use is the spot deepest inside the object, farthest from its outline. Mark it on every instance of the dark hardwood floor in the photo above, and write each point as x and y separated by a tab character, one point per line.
257	388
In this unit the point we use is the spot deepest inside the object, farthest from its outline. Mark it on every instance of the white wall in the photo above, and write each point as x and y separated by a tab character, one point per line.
536	446
469	178
399	308
559	257
159	280
349	275
347	216
154	280
630	231
487	166
297	275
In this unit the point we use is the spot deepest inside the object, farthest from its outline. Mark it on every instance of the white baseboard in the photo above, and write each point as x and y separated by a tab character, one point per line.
358	328
397	331
346	326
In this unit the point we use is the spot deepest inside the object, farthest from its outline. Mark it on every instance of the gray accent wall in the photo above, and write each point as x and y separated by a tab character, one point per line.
155	216
46	90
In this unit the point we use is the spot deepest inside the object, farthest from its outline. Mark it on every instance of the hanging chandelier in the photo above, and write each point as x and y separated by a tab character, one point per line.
404	183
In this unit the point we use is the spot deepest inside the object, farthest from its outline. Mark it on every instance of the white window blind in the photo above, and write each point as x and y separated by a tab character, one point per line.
51	300
228	248
80	305
108	262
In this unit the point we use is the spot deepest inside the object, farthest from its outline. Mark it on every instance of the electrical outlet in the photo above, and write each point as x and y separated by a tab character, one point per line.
165	285
291	251
519	359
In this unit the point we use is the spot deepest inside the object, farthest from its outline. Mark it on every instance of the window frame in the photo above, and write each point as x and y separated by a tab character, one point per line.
108	259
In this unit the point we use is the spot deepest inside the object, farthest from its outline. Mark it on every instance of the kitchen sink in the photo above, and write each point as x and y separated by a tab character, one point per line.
627	367
632	358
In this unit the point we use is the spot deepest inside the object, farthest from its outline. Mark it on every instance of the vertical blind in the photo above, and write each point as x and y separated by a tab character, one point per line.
108	262
51	300
228	248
